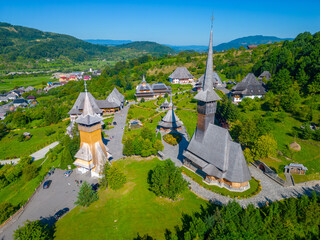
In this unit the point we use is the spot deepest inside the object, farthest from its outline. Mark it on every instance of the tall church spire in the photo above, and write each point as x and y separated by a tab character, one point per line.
208	76
87	107
207	94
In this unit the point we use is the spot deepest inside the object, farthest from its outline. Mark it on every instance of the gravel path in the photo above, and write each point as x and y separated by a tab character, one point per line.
270	191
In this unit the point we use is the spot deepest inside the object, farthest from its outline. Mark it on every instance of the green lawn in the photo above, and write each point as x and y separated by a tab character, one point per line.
189	119
11	148
9	84
148	104
129	211
253	190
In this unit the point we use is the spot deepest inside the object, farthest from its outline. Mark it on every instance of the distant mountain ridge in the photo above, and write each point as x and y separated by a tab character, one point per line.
250	40
18	43
107	42
236	43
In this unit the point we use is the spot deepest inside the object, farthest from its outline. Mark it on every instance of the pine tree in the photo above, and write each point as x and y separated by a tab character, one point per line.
86	195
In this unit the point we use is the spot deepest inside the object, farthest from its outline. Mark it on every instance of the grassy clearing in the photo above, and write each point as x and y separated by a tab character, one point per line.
148	104
11	148
129	211
253	190
9	84
189	119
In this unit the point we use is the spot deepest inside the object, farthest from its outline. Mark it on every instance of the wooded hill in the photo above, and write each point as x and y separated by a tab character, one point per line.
18	43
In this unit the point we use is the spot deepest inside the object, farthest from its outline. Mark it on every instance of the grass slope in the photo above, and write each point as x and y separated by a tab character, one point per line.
11	148
9	84
130	211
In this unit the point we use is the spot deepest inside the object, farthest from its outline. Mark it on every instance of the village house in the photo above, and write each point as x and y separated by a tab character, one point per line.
181	76
148	92
249	87
29	89
3	98
266	75
211	152
20	102
87	77
252	46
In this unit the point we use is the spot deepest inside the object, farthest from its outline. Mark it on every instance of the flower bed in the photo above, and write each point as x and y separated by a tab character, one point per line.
172	138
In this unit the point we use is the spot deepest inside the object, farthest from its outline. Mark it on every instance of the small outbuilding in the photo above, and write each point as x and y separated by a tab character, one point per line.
295	168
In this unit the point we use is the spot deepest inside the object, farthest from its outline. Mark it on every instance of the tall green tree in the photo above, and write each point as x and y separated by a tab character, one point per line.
166	180
86	195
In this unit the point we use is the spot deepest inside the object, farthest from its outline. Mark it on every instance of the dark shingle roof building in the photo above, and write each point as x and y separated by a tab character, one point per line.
147	91
170	122
265	74
114	102
211	151
181	76
248	87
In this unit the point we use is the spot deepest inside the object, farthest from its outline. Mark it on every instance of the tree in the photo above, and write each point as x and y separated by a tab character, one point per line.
33	230
66	158
29	172
3	130
265	146
248	132
86	195
166	180
6	210
115	178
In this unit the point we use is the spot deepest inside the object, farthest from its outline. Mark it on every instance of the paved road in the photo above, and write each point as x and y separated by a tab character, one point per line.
62	193
114	141
36	156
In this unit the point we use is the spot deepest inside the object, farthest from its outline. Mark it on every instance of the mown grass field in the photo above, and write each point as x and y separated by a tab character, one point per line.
11	148
10	84
130	211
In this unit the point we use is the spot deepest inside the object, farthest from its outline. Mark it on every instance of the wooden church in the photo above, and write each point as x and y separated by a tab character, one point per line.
93	154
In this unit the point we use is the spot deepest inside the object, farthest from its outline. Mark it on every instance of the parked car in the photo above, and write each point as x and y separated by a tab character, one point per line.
114	123
68	173
60	213
47	184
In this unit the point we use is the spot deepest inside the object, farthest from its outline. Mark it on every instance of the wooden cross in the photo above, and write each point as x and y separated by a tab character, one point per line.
212	19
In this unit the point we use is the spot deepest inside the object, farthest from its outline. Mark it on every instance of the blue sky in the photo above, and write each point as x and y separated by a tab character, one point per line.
171	22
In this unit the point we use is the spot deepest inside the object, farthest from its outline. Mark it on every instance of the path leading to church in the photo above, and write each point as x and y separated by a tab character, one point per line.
115	134
36	156
62	193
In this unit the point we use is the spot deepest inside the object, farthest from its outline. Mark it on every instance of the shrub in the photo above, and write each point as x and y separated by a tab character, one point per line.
86	195
49	132
29	172
166	180
6	210
35	230
173	138
21	138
